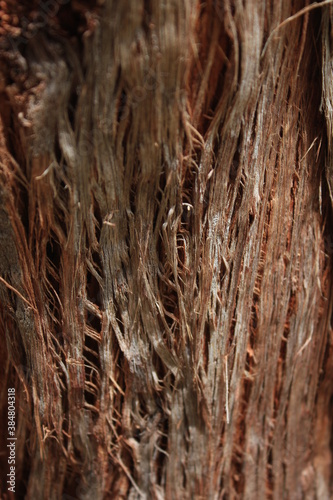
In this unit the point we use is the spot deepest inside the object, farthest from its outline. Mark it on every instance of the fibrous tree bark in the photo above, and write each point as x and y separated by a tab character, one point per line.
165	247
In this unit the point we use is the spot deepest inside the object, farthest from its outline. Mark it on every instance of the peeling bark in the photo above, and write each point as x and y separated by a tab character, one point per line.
166	248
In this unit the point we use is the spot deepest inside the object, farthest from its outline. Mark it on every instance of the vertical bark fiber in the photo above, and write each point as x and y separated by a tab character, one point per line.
166	248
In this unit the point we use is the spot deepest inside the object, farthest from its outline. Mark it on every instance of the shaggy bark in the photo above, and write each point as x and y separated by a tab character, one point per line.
165	248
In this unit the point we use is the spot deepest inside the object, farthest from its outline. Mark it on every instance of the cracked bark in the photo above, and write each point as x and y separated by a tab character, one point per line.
166	248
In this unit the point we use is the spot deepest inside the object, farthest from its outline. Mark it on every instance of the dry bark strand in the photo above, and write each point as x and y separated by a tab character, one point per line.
165	256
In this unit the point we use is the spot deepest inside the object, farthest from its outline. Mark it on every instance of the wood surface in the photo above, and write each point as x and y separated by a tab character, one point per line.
166	248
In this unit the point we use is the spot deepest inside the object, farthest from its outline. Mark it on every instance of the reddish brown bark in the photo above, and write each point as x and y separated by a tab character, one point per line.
166	248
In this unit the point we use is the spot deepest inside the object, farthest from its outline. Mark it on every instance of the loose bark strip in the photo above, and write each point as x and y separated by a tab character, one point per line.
166	249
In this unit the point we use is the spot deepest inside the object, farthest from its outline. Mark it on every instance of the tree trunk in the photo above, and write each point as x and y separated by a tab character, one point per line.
166	248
